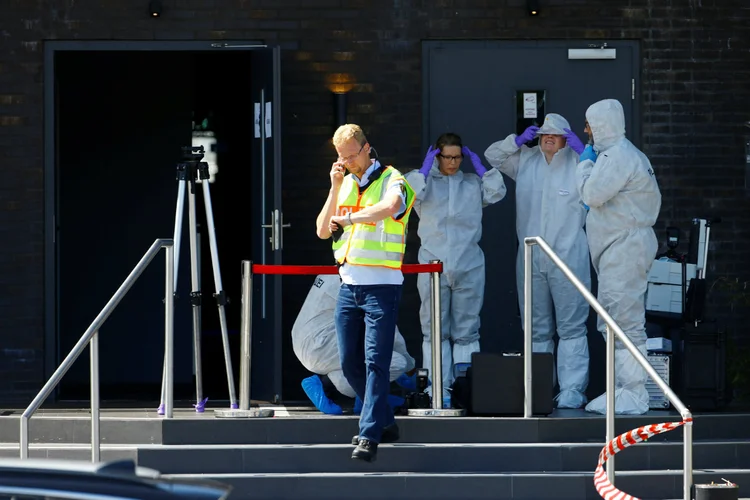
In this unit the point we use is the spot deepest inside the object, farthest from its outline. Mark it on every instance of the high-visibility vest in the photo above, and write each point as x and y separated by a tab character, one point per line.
382	243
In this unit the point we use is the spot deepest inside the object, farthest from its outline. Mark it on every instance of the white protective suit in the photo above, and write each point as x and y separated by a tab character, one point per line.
314	336
450	227
548	205
624	197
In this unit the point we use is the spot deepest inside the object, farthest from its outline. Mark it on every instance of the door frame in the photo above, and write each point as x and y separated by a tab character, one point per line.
634	134
51	269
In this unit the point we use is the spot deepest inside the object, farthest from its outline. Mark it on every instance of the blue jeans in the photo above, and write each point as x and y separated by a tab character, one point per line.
366	328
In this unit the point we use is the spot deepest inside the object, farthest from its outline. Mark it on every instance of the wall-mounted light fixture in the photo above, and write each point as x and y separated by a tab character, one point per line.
340	84
154	8
532	6
339	109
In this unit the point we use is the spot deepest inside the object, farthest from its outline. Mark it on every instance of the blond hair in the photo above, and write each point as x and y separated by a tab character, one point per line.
349	131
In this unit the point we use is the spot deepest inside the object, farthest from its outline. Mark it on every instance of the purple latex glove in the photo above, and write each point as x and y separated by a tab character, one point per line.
528	135
573	141
429	159
475	160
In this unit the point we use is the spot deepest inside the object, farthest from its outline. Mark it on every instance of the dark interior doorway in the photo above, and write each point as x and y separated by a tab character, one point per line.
122	119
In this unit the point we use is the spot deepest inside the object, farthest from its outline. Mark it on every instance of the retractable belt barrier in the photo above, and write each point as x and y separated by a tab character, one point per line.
283	269
605	488
435	268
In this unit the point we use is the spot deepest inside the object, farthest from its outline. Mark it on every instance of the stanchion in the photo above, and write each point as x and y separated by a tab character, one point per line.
435	267
244	411
436	328
610	399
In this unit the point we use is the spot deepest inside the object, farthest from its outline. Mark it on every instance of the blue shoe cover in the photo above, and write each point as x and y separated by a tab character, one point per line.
313	387
407	382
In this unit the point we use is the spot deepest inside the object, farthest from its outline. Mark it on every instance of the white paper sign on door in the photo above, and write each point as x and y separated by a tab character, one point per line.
257	119
268	119
529	105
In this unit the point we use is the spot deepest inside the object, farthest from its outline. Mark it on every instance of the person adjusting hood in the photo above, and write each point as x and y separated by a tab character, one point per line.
616	180
449	203
548	205
606	120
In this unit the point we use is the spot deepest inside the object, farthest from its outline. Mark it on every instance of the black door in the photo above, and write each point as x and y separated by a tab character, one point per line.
471	88
268	219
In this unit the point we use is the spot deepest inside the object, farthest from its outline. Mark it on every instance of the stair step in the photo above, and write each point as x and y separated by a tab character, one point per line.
435	458
314	428
332	429
63	451
399	457
76	428
645	484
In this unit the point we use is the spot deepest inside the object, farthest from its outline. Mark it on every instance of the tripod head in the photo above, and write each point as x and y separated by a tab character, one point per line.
193	154
191	167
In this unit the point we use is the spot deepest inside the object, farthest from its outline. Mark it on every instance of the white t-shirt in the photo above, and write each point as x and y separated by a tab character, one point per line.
368	275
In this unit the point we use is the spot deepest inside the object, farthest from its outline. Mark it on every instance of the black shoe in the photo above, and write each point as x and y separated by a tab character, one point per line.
390	435
366	450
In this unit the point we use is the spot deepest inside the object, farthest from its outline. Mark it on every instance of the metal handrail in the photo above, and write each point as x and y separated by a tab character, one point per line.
91	336
613	330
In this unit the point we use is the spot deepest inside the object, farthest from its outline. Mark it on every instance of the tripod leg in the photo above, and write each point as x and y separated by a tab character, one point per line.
179	214
178	218
221	299
195	300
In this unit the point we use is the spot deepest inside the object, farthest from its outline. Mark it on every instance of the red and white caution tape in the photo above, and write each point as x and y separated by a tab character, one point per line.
606	489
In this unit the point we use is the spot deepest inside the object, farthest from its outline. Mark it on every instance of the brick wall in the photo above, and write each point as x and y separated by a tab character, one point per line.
696	88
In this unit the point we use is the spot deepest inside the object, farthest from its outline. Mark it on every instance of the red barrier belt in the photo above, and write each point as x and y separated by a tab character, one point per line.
284	269
606	489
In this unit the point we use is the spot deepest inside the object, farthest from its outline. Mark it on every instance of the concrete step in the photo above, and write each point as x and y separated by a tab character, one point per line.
313	428
76	428
64	451
415	458
646	485
329	429
434	458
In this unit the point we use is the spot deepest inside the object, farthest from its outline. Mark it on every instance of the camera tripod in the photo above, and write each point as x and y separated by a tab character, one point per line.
189	171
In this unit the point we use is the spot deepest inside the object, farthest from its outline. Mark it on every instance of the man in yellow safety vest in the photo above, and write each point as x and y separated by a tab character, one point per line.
366	212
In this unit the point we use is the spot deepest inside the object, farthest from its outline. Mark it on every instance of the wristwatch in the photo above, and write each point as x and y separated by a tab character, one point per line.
349	218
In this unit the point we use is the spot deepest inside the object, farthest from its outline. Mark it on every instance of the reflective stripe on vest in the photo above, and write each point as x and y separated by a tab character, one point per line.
372	244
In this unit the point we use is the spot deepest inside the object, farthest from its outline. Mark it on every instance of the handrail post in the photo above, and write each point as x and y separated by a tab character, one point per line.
85	339
246	333
94	368
615	333
437	340
528	345
610	399
24	441
687	450
169	332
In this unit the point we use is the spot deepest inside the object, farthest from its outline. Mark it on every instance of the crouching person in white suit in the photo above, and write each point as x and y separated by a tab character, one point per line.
315	345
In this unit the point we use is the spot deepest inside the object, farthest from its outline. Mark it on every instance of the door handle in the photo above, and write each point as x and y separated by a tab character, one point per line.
281	230
277	226
272	226
276	243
